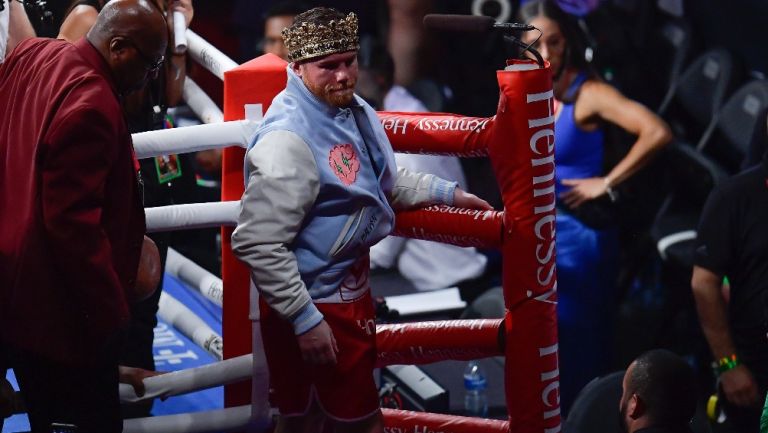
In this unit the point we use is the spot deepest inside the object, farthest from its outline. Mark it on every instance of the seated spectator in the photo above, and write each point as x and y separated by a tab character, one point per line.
427	265
658	395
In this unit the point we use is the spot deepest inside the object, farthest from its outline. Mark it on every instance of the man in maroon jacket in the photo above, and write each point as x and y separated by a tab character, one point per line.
71	215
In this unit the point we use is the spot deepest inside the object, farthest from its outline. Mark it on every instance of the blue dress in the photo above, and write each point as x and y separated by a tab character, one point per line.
586	262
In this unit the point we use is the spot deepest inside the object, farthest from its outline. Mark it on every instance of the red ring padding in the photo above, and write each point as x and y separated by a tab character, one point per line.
436	133
404	421
452	225
439	340
522	155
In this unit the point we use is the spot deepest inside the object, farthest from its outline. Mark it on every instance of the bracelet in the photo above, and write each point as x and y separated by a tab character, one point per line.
727	363
612	194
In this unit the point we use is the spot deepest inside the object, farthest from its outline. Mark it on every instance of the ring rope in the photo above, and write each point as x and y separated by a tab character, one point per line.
452	225
179	32
208	56
194	275
402	421
456	226
180	382
188	323
200	103
193	138
432	341
191	216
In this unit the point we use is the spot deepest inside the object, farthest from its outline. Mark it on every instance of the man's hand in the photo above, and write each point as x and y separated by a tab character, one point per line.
739	386
318	345
583	190
135	377
466	200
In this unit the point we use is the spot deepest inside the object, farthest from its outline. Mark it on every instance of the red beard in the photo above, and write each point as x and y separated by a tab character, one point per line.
331	94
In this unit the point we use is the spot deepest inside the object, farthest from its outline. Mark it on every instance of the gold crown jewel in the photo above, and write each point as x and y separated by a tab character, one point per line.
309	40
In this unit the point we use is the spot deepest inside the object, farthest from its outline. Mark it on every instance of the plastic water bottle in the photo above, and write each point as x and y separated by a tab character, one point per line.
475	397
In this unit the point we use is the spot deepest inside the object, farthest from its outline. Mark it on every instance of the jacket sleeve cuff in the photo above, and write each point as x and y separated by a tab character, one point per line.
306	318
441	191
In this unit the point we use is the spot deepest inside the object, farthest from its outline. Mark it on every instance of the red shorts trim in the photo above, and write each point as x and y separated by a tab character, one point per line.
345	391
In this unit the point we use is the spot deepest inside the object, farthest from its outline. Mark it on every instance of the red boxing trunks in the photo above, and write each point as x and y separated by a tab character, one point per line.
345	391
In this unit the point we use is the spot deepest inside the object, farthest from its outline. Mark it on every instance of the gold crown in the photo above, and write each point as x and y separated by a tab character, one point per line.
308	40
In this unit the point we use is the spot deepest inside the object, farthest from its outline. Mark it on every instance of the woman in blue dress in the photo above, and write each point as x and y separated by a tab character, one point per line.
586	256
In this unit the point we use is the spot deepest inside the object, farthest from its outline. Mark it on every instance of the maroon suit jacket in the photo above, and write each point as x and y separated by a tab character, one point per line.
71	218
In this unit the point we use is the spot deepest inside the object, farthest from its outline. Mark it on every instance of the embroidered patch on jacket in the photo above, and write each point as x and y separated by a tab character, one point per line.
344	163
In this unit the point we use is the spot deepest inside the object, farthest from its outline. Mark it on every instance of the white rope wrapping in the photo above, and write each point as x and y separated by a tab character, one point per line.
193	138
200	103
179	32
192	216
196	276
190	380
233	418
188	323
210	57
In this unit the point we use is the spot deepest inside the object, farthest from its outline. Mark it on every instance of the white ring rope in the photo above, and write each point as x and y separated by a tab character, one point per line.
195	276
208	56
200	103
179	32
193	138
188	323
180	382
192	216
233	418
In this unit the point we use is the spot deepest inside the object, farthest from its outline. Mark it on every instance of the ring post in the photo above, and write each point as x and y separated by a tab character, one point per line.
522	155
254	82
